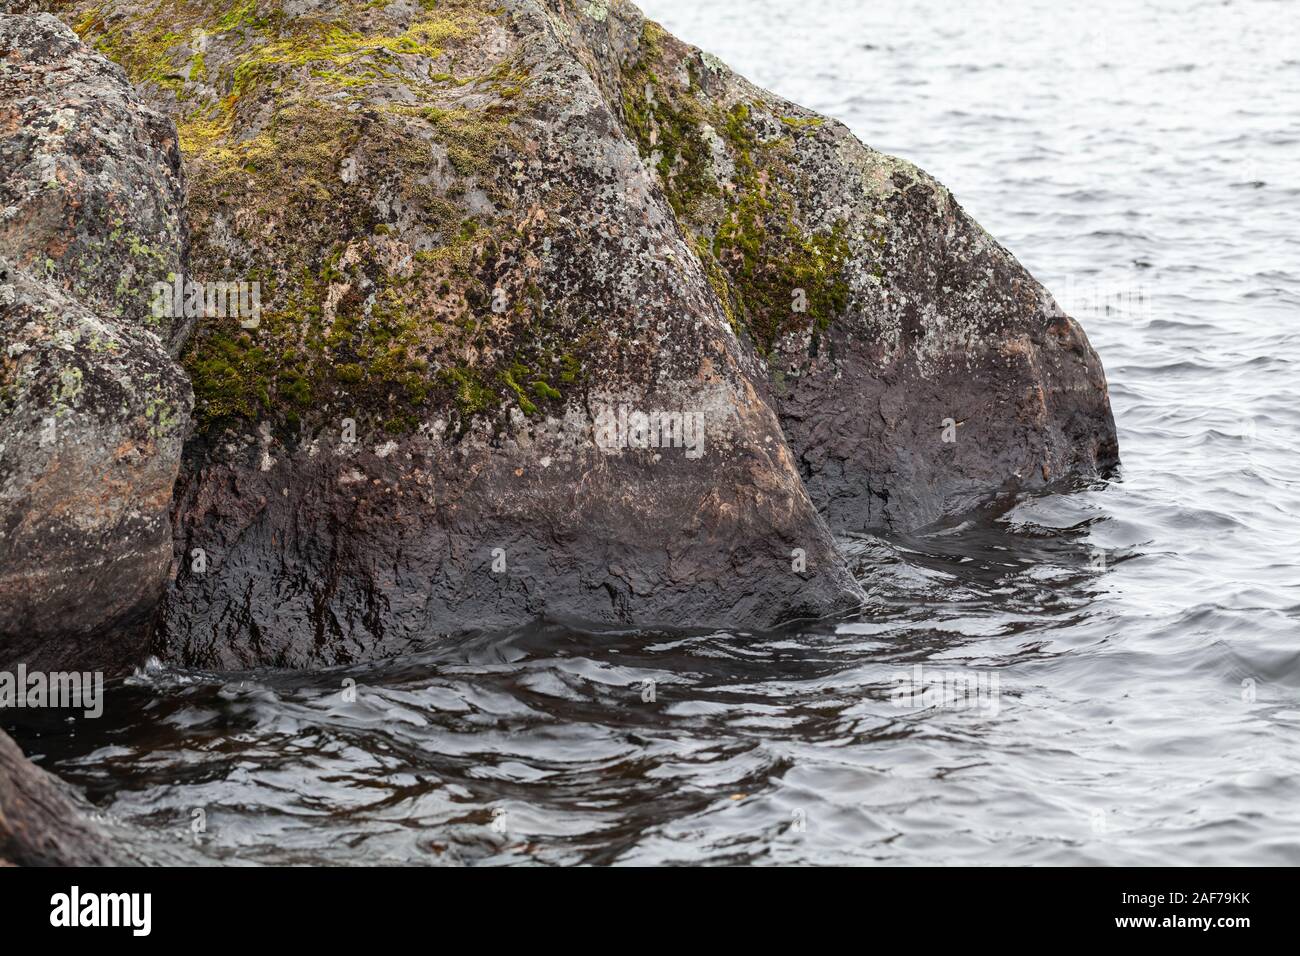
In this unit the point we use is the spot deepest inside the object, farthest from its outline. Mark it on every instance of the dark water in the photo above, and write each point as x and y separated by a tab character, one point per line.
1143	159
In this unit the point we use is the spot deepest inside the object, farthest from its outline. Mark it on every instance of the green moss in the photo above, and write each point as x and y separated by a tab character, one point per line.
265	161
802	122
330	45
718	279
510	377
667	124
146	58
401	424
749	238
507	80
229	373
543	389
570	369
769	259
470	136
146	47
753	248
243	13
472	397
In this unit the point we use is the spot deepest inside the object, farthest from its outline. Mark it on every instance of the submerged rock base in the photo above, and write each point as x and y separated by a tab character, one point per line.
475	232
492	312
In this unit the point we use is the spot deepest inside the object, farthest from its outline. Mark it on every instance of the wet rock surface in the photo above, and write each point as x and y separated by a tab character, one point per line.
41	824
93	407
479	231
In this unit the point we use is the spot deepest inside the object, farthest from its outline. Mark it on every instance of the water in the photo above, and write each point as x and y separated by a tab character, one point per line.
1143	160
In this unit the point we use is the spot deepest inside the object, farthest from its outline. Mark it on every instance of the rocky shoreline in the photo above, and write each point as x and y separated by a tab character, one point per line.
316	316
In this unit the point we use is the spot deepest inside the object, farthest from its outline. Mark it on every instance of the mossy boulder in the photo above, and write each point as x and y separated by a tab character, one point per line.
918	369
477	229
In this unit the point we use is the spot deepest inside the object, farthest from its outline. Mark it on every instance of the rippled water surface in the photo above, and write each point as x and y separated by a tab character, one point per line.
1143	160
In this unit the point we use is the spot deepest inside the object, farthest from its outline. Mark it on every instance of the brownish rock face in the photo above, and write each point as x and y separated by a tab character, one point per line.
40	824
917	368
494	246
93	407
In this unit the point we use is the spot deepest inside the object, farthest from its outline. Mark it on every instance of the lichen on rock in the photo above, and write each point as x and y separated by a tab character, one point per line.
477	229
729	176
93	407
461	259
881	312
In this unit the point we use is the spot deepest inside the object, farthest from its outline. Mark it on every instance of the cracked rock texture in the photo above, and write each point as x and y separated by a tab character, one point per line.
476	227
